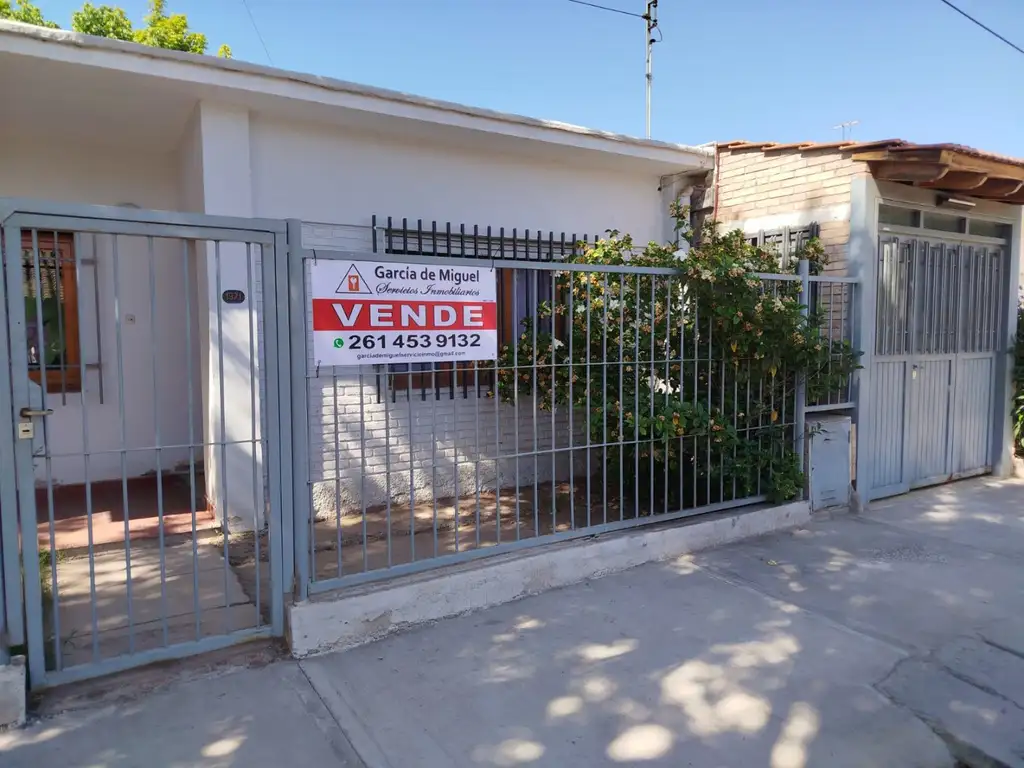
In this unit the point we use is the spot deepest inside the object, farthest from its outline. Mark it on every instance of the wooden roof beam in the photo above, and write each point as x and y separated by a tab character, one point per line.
961	162
958	181
998	188
912	171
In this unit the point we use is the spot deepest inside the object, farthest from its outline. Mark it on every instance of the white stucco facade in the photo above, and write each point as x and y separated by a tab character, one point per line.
164	130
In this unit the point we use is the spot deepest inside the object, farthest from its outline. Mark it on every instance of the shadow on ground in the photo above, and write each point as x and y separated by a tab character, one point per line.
873	640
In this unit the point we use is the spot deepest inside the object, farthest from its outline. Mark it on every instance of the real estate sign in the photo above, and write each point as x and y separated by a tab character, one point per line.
367	312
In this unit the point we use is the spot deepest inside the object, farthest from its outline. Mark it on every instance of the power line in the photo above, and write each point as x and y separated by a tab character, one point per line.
991	31
606	8
256	27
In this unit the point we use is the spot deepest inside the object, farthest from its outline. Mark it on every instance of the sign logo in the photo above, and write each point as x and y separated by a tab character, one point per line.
339	343
353	283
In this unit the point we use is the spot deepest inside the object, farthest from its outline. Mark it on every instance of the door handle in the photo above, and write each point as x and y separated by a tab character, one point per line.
28	413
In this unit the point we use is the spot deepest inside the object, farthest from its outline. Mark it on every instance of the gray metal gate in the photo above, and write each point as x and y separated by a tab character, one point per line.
140	436
937	335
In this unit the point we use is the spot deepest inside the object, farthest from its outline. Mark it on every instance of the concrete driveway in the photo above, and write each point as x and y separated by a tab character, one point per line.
875	640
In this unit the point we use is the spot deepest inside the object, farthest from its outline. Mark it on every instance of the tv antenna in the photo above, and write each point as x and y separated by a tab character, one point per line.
846	128
650	17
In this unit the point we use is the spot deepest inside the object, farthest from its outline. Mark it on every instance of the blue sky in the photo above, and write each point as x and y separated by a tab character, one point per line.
778	70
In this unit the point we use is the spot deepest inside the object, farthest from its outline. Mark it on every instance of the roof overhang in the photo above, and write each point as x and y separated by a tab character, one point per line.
110	73
950	170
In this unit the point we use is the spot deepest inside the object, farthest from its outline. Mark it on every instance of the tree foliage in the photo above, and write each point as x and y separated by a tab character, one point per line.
171	32
103	21
687	379
160	30
25	12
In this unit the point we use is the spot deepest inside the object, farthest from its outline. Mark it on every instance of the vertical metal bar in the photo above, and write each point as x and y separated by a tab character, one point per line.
455	450
257	529
476	410
620	401
25	620
991	299
515	372
572	403
274	351
682	388
586	421
653	394
298	332
412	453
804	271
532	301
668	376
711	349
696	390
976	296
362	470
933	297
496	394
636	400
223	437
604	399
124	444
153	345
93	612
476	443
60	328
554	387
196	609
99	339
337	474
433	450
387	475
43	374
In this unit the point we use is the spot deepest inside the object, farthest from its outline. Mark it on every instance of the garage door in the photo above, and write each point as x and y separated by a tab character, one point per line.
938	313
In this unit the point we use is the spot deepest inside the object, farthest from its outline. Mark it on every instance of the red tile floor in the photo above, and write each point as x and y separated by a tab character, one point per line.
71	521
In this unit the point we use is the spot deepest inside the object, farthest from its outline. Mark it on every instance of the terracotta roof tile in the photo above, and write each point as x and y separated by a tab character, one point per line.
893	145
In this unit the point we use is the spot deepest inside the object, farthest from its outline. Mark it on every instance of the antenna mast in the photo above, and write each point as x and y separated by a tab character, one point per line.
651	17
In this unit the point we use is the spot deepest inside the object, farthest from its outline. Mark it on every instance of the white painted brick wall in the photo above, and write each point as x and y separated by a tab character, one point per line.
436	441
449	438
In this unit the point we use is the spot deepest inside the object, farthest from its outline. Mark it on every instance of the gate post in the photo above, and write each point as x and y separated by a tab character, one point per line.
301	502
803	269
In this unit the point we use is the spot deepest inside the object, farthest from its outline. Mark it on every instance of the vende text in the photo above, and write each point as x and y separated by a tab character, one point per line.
370	315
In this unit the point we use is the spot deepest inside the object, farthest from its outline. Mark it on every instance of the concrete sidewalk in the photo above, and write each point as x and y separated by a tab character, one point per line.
873	640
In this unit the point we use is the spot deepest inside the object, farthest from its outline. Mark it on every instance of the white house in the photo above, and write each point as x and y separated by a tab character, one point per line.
95	121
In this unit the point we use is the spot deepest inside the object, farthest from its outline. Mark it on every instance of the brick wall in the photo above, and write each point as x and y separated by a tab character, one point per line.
363	447
365	451
792	188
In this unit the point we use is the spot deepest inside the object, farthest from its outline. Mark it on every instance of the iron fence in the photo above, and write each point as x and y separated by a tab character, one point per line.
611	405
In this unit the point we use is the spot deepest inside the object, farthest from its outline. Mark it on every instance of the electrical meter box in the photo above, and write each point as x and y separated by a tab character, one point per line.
829	460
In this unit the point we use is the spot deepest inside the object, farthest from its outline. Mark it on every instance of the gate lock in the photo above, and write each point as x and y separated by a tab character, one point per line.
26	429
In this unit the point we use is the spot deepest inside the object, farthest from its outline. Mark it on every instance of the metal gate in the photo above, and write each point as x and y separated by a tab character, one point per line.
937	335
140	435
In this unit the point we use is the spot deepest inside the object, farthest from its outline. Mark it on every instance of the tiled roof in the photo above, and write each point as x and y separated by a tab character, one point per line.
891	145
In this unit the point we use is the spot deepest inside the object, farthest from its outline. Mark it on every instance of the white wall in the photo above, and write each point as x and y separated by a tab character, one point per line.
83	174
330	175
